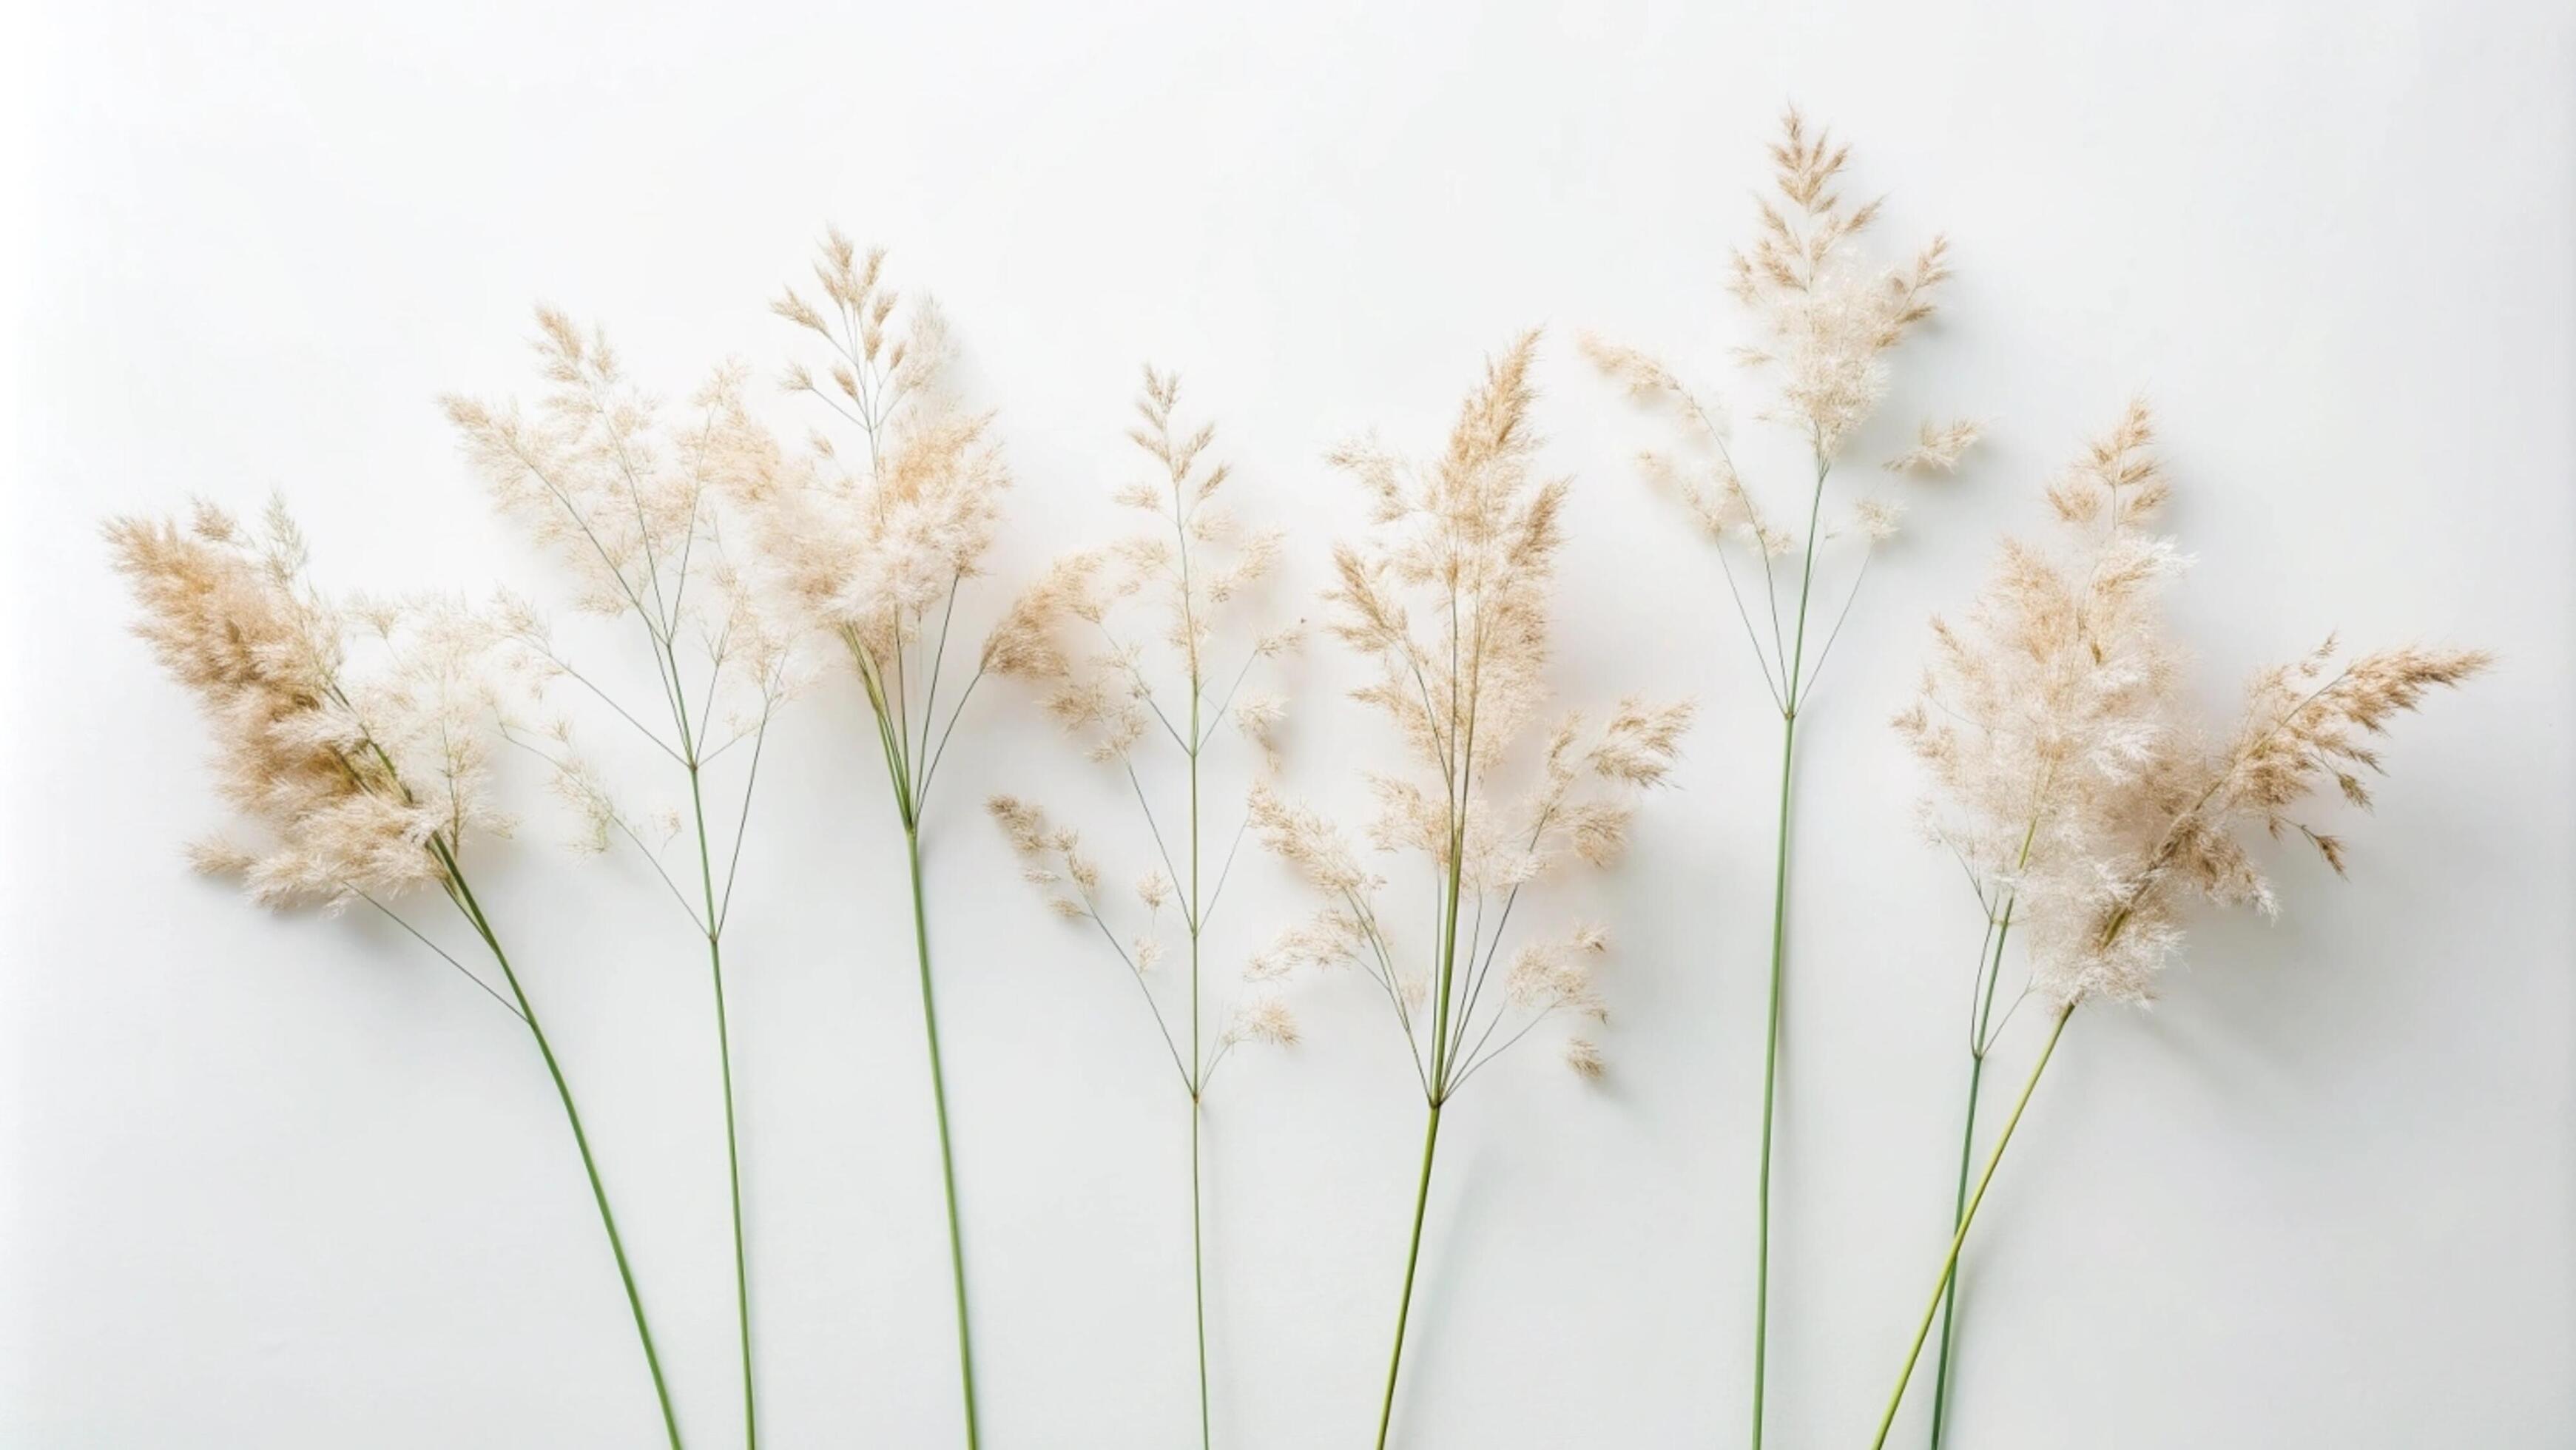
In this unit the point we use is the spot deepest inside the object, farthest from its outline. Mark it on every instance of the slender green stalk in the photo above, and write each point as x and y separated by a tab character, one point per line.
947	1157
1412	1260
1992	962
733	1149
581	1139
1198	1064
1198	1271
1950	1262
1771	1074
1792	676
1444	1076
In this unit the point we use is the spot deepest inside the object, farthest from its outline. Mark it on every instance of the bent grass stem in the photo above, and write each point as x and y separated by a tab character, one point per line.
1978	1047
581	1139
947	1156
1412	1261
1950	1261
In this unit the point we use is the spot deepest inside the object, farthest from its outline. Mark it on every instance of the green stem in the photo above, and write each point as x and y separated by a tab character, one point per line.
947	1157
1793	676
581	1139
1950	1262
1412	1259
733	1182
733	1147
1958	1216
1993	964
1771	1075
1198	1068
1198	1272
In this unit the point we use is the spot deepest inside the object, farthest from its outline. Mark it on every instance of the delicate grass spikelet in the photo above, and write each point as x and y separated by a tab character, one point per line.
1449	601
1136	646
1829	321
2306	725
630	502
2087	811
868	541
871	549
2043	712
354	734
2065	774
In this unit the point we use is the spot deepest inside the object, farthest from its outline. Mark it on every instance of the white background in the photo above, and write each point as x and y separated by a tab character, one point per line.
286	1182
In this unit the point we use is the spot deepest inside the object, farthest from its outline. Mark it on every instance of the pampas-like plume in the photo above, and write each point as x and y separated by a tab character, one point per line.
629	501
1830	322
869	542
1449	600
2088	812
367	773
355	733
1182	572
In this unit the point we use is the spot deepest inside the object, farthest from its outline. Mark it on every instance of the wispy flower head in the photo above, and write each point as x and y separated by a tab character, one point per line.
2066	773
1142	643
628	498
353	733
1449	598
870	542
1830	320
2046	707
1125	638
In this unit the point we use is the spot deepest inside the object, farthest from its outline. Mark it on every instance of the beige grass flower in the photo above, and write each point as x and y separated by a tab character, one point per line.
353	734
1829	319
1449	601
628	499
1140	646
868	540
2089	812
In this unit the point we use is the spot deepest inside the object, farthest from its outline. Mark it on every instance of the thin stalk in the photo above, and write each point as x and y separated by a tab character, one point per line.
1442	1079
1198	1068
1967	1157
1950	1262
1771	1075
947	1158
1412	1260
580	1138
733	1148
1198	1270
1793	677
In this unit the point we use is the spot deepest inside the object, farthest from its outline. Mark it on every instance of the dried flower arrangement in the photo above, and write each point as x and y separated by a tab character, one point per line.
1449	602
2066	773
1183	571
872	551
629	502
2086	810
1831	319
356	733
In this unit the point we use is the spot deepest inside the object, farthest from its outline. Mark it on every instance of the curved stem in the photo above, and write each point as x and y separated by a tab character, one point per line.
1993	964
1950	1262
947	1157
581	1139
1412	1260
1771	1075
